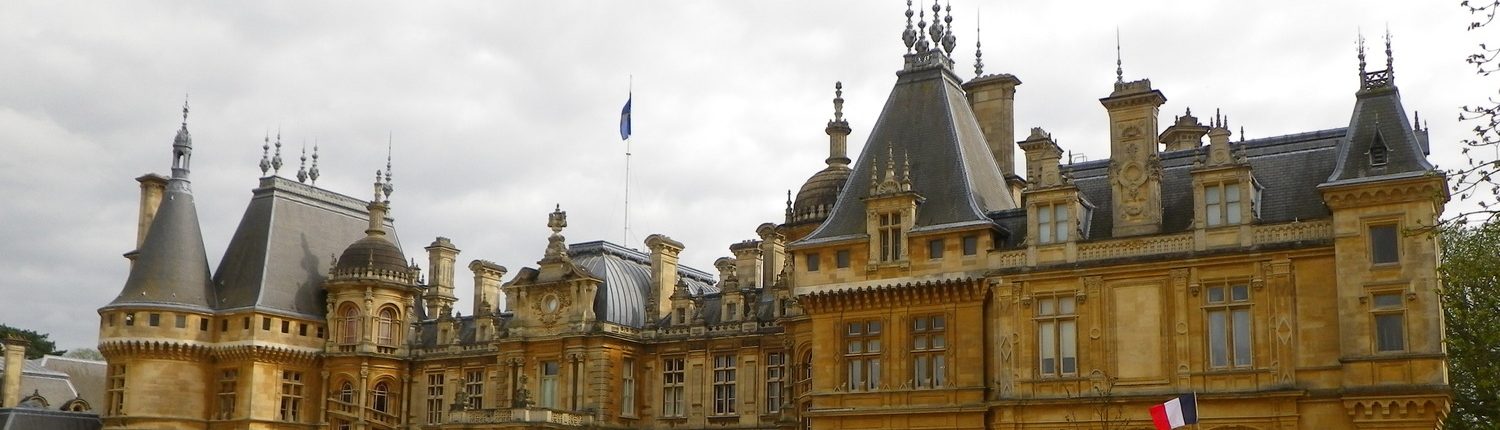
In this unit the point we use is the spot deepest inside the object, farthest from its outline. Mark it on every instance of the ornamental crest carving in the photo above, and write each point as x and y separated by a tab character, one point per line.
550	306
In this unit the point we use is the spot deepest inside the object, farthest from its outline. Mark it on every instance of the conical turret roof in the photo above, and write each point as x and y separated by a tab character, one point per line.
171	267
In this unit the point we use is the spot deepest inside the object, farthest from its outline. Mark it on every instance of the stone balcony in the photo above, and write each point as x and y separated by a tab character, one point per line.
519	415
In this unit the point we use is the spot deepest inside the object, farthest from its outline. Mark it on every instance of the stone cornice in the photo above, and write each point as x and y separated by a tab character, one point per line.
919	292
1426	187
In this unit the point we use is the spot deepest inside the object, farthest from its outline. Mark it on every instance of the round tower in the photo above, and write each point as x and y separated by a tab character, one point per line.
816	197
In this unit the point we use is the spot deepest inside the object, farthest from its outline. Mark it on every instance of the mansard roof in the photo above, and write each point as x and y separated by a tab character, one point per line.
1379	120
627	285
280	253
928	124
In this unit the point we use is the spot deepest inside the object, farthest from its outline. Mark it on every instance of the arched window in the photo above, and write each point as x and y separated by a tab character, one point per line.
381	398
346	393
387	327
349	324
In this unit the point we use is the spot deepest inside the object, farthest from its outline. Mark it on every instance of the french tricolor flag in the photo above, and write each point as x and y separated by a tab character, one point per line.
1175	413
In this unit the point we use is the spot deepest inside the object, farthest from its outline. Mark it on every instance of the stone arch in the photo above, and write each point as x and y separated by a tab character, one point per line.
76	405
348	323
388	325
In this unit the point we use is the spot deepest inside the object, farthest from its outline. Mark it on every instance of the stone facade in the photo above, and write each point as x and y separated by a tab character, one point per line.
1283	280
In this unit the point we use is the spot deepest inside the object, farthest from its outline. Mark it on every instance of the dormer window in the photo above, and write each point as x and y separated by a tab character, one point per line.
1052	223
891	236
1221	204
1378	152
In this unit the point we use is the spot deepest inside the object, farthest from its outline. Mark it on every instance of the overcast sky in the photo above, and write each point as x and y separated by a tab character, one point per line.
499	110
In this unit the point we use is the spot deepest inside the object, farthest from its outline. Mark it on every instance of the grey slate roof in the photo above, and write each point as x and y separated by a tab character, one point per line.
279	254
1378	115
928	118
38	419
50	384
627	284
1290	167
171	268
86	376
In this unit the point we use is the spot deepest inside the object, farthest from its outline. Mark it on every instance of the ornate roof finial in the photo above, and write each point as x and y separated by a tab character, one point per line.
276	160
1242	134
936	31
905	170
1390	67
313	172
1119	65
302	165
838	101
378	187
388	187
909	36
556	248
978	52
921	31
949	40
1359	44
265	154
184	110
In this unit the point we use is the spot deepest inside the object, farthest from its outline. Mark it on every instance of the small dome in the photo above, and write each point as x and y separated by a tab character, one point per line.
817	196
372	252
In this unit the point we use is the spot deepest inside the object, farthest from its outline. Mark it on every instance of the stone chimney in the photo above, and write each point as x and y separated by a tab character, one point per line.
1134	165
1042	159
664	253
486	286
152	188
773	253
993	99
440	258
748	262
1185	133
15	358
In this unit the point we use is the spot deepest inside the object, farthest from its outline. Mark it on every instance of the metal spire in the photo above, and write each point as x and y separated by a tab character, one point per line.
388	187
276	160
265	154
313	173
978	49
909	36
949	40
838	101
1119	65
1390	67
184	111
921	31
1359	42
302	166
936	31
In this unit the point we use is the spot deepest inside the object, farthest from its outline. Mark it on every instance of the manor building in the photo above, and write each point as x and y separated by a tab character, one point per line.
928	283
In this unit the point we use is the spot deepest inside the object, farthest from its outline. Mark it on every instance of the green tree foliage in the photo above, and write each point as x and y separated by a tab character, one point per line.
1479	181
85	353
39	344
1471	301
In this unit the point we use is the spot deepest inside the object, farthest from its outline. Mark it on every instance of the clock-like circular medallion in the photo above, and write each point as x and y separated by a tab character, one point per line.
550	303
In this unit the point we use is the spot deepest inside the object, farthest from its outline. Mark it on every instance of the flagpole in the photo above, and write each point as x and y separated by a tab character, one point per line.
625	236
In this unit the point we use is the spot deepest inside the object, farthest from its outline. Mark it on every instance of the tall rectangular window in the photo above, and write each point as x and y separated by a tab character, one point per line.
291	396
862	354
116	404
435	398
775	380
1052	223
812	261
1389	312
1383	244
935	248
474	387
724	384
1057	336
228	380
929	348
1228	326
1221	204
627	388
548	397
672	383
891	237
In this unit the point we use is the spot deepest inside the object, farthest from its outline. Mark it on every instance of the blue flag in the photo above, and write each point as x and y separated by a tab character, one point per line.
625	120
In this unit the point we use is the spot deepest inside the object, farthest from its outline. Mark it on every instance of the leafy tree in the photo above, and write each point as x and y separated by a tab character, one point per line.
85	353
39	344
1471	300
1480	179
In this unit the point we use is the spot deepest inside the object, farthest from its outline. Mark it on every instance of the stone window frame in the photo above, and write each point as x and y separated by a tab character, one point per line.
725	384
1398	297
1229	306
929	350
1370	225
628	388
776	379
228	386
1053	322
674	378
1250	191
291	393
862	363
1050	229
891	237
435	385
474	387
116	389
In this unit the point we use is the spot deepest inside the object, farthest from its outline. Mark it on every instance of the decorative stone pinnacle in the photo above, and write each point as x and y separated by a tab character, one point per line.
378	187
265	154
388	186
313	173
184	110
1359	43
556	249
949	40
276	160
838	101
909	36
978	53
1119	64
302	165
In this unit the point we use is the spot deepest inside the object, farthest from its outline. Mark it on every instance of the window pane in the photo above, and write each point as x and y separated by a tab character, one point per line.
1211	194
1242	337
1383	244
874	376
1043	215
856	374
919	370
872	346
1046	307
937	322
841	259
1060	213
1216	294
1044	231
1065	305
938	342
1067	336
1232	193
919	324
1239	293
812	262
971	245
935	248
856	347
1047	346
1218	348
1388	332
873	327
856	328
1232	212
1387	301
1062	227
919	343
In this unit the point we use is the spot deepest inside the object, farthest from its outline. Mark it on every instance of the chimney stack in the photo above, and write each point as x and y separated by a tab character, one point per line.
664	253
747	262
1186	133
152	188
773	253
993	99
440	258
15	357
1042	159
486	286
1134	165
